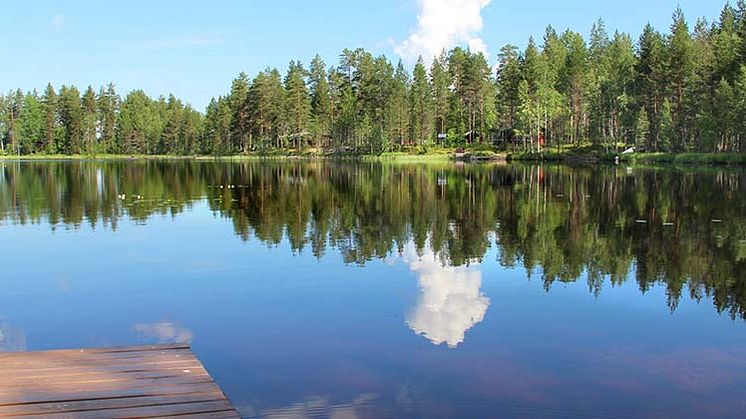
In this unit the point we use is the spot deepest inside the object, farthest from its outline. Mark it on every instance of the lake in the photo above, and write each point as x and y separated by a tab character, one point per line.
356	289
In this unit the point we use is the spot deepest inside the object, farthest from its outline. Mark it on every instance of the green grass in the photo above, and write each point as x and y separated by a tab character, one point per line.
590	151
438	154
409	154
686	158
561	153
88	157
403	156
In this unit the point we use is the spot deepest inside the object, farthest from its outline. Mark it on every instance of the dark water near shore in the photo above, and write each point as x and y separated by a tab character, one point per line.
393	290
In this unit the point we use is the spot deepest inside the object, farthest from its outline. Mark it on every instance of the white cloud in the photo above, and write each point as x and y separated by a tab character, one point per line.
478	45
58	21
451	301
443	24
164	332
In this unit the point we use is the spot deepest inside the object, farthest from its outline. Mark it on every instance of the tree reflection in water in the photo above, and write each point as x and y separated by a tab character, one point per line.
684	229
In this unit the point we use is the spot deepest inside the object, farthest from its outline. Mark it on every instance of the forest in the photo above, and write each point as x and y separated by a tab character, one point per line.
683	90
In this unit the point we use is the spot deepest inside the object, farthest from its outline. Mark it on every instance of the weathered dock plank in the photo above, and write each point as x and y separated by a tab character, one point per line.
122	382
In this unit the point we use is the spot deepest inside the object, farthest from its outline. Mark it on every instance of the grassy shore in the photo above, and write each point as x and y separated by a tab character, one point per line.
686	158
594	153
583	154
410	154
238	157
637	158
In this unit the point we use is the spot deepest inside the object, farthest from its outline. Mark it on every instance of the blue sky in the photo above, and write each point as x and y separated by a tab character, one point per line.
194	48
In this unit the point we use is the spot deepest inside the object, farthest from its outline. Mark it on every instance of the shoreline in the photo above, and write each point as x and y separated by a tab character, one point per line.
442	155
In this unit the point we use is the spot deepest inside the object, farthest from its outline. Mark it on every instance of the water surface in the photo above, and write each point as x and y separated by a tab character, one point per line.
393	290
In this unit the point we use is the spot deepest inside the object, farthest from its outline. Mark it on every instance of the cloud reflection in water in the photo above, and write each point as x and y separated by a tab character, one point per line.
316	407
451	301
164	332
12	339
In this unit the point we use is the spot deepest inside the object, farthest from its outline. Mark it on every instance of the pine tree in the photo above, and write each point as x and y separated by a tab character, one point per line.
108	107
650	80
420	105
30	124
642	128
573	81
552	61
599	86
680	71
258	99
89	121
12	109
240	122
622	112
279	121
667	127
171	141
321	101
298	103
71	120
399	108
509	77
191	131
136	120
738	105
531	112
49	107
440	86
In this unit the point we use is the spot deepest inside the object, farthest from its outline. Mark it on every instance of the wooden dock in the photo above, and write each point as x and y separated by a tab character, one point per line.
125	382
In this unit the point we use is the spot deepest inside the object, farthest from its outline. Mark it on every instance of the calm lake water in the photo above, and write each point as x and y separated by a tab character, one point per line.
393	290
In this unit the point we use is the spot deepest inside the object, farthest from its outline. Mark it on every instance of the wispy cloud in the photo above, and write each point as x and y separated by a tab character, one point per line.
12	339
58	21
443	24
180	42
316	406
164	332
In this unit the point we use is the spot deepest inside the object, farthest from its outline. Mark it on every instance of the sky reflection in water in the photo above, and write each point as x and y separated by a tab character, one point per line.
378	290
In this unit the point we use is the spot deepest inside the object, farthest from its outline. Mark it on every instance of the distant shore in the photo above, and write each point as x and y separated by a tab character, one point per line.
571	156
481	154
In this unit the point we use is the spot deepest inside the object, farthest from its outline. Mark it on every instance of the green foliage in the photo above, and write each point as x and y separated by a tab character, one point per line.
30	124
71	121
240	124
297	104
421	105
321	102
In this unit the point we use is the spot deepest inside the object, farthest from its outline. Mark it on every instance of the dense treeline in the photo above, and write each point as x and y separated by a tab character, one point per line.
559	223
681	91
